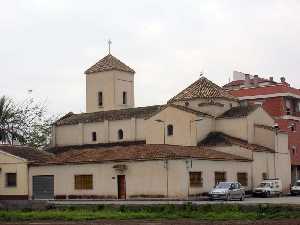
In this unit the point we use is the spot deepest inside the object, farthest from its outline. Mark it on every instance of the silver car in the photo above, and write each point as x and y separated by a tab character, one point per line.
227	191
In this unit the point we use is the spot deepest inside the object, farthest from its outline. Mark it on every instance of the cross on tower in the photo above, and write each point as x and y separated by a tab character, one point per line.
109	43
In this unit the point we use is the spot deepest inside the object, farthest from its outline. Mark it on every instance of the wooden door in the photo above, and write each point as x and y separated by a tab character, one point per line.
121	187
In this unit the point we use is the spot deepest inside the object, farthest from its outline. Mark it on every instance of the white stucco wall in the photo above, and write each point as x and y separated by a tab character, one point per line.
185	127
214	110
111	84
148	178
12	164
107	132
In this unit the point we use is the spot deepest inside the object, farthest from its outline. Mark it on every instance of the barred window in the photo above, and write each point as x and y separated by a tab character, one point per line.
242	178
83	182
220	177
196	179
11	180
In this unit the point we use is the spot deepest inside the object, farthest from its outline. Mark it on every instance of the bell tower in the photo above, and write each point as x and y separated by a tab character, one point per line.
109	85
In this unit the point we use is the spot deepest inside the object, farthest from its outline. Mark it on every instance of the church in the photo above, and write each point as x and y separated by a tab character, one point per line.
178	150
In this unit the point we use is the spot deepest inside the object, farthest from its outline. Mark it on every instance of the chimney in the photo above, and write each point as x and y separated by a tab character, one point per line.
271	79
255	80
247	80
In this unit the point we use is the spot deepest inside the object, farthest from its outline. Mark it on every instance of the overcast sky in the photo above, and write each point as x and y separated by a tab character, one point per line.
46	45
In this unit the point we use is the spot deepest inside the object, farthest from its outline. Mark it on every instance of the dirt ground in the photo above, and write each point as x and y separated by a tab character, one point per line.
168	222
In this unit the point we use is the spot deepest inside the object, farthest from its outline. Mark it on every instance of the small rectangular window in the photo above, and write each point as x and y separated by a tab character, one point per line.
196	179
220	177
242	178
11	180
124	97
94	136
100	98
83	182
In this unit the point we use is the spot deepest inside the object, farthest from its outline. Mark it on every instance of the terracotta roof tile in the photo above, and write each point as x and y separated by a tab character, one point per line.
30	154
108	63
239	111
202	88
111	115
140	152
266	90
215	139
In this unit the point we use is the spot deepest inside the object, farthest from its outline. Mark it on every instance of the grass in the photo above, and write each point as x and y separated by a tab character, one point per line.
203	212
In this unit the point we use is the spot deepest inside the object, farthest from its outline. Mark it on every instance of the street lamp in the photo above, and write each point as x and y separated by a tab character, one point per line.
164	124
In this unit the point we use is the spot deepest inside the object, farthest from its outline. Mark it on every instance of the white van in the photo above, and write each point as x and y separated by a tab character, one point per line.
269	187
295	189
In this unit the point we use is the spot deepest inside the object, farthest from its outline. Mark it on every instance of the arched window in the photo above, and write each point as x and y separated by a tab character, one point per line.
120	134
170	130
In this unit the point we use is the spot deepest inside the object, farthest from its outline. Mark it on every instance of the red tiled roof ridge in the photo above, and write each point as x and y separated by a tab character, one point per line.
141	152
120	114
202	88
109	62
265	90
232	140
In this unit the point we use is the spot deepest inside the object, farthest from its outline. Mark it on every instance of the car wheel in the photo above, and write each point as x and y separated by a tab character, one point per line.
242	197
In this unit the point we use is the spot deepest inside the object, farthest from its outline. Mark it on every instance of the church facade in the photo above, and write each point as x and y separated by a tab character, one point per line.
177	150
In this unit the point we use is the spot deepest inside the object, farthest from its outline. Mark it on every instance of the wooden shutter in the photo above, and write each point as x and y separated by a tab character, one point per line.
242	178
220	177
83	182
196	179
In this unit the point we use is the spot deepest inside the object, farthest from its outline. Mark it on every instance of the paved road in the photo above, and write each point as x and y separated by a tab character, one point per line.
282	200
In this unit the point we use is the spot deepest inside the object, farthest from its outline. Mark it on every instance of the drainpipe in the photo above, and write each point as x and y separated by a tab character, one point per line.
167	177
252	172
276	149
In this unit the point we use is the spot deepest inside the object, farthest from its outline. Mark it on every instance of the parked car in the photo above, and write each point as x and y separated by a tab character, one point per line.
227	191
268	188
295	189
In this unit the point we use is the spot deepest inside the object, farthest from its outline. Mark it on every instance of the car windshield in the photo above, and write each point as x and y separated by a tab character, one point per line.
223	185
262	185
297	184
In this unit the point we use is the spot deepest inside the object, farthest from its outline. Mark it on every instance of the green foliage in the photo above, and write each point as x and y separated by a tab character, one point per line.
189	211
26	123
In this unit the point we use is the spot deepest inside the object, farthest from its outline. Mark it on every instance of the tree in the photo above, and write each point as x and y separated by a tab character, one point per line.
26	123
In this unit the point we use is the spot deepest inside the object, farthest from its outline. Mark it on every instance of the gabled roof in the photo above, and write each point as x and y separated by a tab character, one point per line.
239	111
216	139
27	153
179	107
111	115
266	90
140	153
202	88
108	63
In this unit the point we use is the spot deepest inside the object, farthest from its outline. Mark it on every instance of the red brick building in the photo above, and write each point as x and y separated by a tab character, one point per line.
280	100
